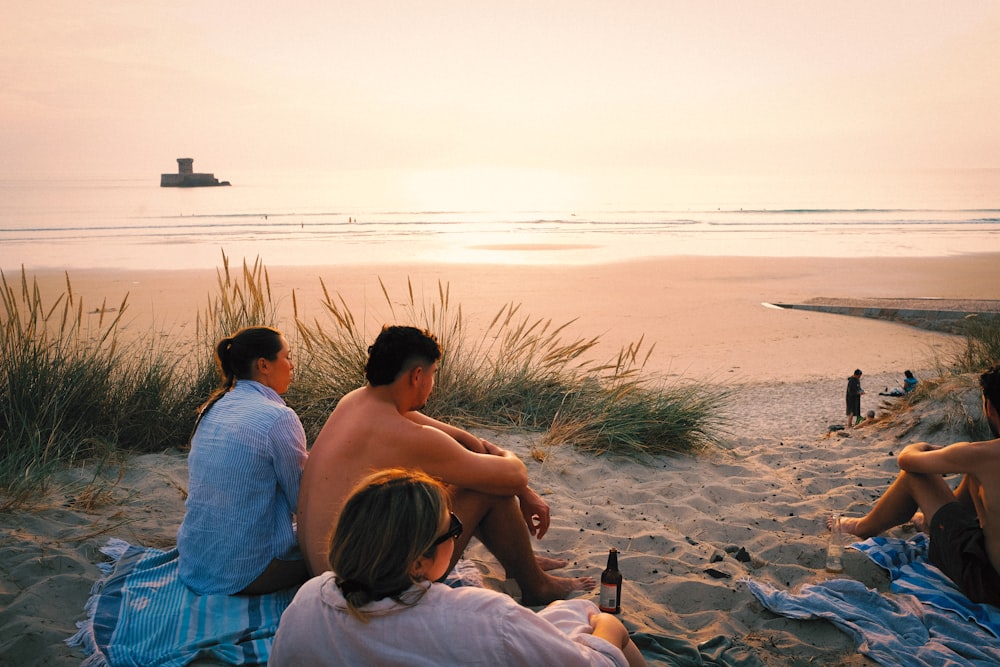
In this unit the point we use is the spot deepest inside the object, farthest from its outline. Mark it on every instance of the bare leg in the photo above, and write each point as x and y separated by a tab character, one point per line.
612	630
898	504
278	575
633	655
501	528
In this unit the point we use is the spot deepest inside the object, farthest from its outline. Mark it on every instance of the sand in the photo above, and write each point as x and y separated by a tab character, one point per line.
766	488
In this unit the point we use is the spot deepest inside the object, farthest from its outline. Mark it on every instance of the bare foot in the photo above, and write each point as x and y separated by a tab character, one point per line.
548	564
919	522
556	588
848	525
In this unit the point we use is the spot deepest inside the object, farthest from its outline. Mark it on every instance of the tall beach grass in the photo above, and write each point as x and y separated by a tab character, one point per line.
955	388
517	372
72	390
982	343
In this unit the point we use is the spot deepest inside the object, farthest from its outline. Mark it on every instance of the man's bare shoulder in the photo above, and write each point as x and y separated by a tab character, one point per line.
986	461
362	419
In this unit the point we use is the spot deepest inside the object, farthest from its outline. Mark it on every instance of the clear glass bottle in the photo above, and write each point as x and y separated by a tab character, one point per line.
835	549
611	586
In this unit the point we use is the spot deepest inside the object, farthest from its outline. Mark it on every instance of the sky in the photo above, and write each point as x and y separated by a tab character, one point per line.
123	87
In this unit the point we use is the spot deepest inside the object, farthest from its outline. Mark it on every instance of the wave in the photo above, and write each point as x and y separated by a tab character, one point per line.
389	224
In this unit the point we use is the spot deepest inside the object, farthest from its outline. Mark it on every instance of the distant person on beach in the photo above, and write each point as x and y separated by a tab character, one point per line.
244	468
909	384
965	524
377	603
380	426
854	392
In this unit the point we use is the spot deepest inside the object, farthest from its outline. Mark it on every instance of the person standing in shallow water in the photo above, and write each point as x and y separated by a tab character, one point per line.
854	392
245	467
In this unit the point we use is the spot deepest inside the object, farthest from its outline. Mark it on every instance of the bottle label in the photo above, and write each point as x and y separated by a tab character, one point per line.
834	562
609	597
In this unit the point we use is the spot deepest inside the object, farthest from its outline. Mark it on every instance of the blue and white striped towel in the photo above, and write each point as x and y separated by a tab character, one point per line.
142	614
911	572
925	622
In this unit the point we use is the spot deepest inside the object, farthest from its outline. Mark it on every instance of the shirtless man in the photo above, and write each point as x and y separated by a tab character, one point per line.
379	426
965	524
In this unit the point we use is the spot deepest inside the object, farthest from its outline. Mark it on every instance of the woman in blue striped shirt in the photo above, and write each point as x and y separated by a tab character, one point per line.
244	470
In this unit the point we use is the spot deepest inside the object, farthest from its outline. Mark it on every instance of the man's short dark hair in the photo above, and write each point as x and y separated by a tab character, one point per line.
396	350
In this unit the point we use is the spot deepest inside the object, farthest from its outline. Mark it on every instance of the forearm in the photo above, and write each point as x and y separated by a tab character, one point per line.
504	475
466	439
918	458
463	437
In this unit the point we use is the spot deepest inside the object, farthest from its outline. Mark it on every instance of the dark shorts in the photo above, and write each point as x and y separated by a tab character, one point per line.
854	405
958	548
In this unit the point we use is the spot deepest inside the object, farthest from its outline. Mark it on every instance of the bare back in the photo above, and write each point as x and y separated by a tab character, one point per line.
367	432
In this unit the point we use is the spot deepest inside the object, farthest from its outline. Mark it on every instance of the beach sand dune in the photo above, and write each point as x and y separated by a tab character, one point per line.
765	489
678	522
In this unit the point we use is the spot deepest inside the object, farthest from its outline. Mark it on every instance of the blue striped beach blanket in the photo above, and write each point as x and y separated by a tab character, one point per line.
926	620
141	613
911	572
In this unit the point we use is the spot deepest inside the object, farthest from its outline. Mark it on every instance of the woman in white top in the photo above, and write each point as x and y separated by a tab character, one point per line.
380	604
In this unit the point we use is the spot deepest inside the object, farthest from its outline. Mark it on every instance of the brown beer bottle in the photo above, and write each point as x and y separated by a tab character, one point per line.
611	586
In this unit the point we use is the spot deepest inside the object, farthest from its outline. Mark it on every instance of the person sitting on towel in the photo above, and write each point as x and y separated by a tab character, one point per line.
245	467
964	525
378	603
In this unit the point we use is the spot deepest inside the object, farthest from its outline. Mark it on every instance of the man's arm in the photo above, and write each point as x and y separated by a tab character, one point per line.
441	456
536	511
960	457
463	437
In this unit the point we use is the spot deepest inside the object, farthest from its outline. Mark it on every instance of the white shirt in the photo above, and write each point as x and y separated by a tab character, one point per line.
448	626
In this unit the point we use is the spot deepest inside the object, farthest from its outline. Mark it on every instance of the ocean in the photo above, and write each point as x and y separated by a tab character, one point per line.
492	217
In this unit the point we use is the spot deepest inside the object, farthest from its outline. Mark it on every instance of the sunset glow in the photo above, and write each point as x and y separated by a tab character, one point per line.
474	102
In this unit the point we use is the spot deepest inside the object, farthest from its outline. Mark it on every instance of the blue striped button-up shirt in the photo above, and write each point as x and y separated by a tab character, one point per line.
244	471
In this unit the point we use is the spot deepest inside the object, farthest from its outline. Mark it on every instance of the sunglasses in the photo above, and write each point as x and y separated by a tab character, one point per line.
453	533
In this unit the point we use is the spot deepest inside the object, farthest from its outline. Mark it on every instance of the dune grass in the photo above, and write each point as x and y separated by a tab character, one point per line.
982	344
514	372
242	299
517	372
955	387
70	390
